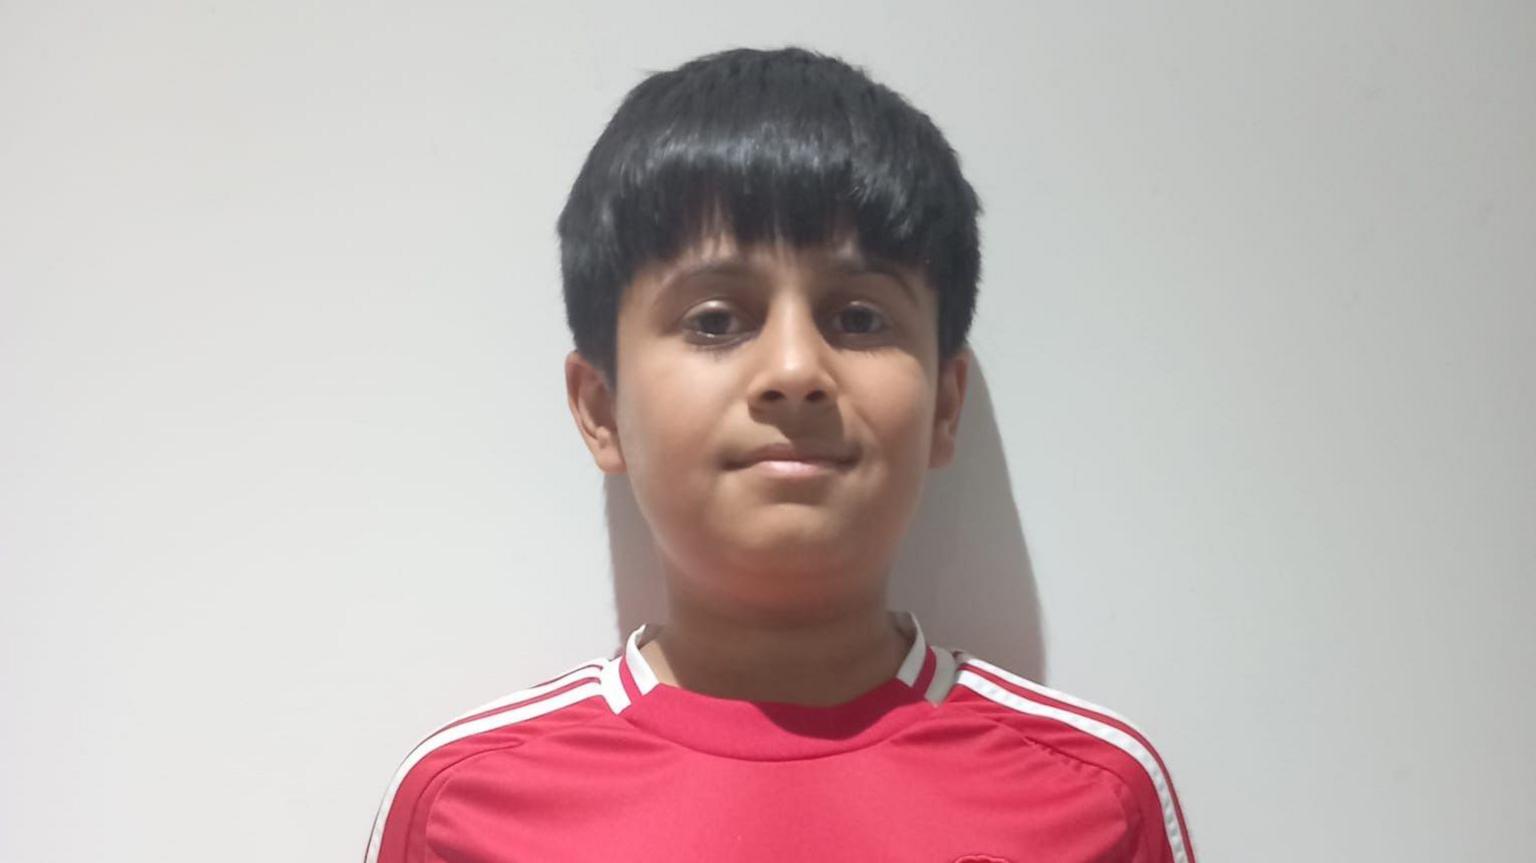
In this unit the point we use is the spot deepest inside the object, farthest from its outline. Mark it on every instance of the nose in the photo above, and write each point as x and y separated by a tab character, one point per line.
793	358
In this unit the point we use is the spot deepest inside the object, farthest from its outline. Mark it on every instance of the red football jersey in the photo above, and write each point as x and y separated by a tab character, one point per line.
953	760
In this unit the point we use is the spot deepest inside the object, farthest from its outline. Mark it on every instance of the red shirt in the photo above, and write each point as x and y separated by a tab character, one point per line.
951	760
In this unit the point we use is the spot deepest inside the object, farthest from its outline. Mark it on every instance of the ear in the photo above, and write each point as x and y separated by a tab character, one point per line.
949	400
592	407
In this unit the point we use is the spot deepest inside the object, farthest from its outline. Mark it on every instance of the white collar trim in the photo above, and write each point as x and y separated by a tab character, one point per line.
645	677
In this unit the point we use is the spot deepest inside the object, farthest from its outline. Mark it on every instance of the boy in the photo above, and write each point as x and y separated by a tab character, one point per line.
770	267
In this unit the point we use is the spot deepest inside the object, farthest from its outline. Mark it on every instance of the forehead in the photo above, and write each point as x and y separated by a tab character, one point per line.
720	254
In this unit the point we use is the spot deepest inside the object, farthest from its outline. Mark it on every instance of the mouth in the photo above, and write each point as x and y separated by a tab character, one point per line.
795	468
796	457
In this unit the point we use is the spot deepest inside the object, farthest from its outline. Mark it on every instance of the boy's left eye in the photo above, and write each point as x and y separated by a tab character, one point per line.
866	314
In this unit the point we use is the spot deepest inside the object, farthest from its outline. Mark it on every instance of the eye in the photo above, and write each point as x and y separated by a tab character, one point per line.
707	323
712	325
863	316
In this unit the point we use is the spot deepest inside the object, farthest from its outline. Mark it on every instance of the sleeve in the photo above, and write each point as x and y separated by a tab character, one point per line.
1163	835
400	828
399	825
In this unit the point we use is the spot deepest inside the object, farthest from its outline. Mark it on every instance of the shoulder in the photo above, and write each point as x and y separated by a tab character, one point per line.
1089	733
506	722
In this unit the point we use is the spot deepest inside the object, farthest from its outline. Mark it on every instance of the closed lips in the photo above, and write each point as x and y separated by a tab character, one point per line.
785	452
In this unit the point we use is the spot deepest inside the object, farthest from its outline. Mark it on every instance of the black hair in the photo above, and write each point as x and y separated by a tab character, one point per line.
783	145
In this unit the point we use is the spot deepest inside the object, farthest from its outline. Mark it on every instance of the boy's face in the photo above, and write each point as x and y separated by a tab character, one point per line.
726	350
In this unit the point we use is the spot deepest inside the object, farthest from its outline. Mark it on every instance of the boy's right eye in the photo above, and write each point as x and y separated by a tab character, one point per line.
707	320
711	324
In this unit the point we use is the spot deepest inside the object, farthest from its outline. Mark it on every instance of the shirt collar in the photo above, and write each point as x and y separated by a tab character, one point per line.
773	730
911	666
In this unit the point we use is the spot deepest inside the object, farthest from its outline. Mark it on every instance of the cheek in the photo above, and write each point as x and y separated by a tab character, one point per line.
668	428
899	411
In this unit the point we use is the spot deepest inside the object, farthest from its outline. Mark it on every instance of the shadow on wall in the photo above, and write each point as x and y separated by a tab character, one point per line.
962	568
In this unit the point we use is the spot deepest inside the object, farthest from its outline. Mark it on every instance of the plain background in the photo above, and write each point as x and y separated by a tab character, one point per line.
287	475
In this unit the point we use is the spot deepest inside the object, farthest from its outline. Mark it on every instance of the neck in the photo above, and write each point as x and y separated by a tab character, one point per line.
820	659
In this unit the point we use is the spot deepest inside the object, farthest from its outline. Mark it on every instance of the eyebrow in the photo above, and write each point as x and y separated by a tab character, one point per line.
735	266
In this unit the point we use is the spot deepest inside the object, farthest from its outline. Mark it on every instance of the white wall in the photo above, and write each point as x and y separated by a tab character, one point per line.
287	475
